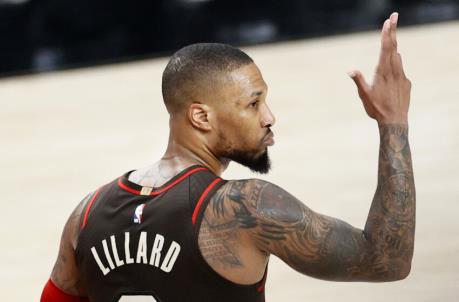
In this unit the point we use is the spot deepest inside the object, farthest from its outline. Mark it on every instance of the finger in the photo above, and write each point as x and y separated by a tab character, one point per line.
397	65
393	29
386	41
360	81
386	47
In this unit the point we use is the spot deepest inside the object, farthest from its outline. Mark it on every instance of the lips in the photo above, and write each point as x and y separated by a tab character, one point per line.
269	139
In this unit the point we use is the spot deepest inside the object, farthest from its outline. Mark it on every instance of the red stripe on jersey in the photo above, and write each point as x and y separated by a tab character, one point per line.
154	193
261	287
201	199
177	181
88	207
126	188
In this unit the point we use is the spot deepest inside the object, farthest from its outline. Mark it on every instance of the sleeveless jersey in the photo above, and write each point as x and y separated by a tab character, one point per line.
140	244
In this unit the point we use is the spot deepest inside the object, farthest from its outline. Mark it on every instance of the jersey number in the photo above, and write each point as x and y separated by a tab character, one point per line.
137	299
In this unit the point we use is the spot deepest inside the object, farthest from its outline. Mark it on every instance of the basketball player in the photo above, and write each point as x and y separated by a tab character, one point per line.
176	231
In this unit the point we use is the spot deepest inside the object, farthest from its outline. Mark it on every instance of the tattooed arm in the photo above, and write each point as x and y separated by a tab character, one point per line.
331	249
65	273
314	244
324	247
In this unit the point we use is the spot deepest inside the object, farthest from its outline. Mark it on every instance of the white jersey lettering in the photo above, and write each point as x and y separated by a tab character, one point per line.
142	248
166	264
156	250
127	251
107	254
104	269
118	262
171	257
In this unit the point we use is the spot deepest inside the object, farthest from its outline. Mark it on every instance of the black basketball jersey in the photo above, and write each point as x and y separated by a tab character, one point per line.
141	243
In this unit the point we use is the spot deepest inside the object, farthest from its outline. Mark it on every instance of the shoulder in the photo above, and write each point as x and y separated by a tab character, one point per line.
241	190
65	272
256	201
238	193
260	211
74	222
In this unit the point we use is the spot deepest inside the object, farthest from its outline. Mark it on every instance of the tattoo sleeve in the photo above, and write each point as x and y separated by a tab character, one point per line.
324	247
390	225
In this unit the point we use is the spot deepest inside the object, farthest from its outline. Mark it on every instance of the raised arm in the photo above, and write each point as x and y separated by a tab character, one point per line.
325	247
321	246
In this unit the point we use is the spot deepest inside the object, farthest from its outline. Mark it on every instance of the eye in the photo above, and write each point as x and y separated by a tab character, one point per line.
254	104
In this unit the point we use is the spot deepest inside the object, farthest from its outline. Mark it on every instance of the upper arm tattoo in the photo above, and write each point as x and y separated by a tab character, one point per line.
322	246
217	241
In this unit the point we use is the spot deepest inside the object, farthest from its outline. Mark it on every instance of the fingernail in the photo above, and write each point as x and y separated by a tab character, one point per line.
387	24
351	74
394	18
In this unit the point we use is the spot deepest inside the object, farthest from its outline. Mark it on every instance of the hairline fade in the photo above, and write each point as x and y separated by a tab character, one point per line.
195	66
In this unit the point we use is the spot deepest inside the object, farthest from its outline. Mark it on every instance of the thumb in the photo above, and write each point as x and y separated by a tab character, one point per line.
359	80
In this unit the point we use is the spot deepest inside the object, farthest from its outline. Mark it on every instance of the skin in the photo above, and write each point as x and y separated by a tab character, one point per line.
248	220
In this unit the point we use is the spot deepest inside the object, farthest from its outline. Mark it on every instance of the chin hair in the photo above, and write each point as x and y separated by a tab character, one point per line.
259	164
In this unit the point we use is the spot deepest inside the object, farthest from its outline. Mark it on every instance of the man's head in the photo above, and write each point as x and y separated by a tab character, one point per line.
216	95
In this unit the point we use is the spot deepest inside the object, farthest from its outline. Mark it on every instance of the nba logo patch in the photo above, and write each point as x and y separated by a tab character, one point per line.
138	213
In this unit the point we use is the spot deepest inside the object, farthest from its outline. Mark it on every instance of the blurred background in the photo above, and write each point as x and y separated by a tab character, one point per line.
65	130
42	35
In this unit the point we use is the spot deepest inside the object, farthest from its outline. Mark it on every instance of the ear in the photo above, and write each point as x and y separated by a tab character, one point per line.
198	115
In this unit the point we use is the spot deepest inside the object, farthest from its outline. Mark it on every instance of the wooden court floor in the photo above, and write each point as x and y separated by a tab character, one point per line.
63	134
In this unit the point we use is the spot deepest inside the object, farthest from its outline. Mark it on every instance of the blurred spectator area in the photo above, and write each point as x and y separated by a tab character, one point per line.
42	35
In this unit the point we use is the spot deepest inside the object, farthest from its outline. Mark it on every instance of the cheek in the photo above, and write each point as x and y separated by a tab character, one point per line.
232	137
241	136
249	129
239	130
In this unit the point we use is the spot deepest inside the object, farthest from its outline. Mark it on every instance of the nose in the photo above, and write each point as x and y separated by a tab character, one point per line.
267	117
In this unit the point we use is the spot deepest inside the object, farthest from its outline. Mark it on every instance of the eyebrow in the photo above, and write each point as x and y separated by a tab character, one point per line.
256	93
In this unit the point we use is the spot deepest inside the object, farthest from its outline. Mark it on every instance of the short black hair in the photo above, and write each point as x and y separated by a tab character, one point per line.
192	65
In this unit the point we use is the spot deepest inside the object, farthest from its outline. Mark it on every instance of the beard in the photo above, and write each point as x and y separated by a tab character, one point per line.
256	163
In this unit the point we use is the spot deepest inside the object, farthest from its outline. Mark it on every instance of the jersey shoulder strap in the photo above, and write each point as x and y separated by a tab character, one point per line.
91	200
202	187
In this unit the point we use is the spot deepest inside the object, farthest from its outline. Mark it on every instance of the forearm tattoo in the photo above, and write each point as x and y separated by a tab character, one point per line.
391	223
315	244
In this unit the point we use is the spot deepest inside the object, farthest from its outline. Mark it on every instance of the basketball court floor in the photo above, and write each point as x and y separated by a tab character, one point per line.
65	133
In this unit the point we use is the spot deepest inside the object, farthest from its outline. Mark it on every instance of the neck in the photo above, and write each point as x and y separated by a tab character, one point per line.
183	153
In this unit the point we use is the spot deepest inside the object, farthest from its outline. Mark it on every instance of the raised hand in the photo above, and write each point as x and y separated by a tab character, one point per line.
387	99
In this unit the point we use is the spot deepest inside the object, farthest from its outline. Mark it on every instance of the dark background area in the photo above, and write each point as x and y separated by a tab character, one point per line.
42	35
